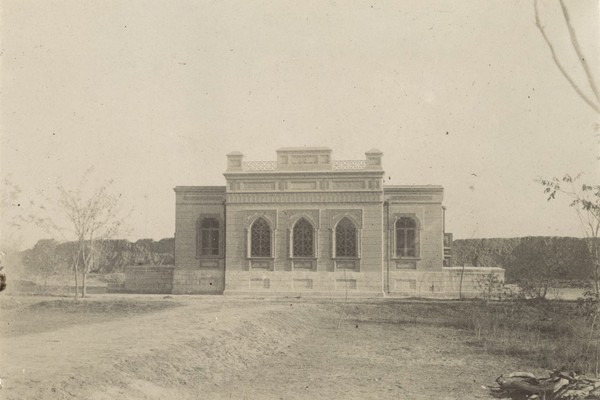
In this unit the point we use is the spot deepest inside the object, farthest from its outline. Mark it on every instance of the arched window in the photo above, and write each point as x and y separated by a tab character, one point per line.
345	239
208	237
303	239
260	239
406	237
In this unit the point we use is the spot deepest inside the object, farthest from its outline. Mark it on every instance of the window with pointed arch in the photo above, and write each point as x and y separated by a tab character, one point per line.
346	239
208	237
260	239
303	239
407	237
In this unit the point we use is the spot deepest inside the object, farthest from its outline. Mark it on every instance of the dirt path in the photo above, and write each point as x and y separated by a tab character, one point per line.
372	361
145	356
246	349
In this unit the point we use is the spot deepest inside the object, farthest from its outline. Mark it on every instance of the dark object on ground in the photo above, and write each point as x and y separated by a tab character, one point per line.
2	279
559	385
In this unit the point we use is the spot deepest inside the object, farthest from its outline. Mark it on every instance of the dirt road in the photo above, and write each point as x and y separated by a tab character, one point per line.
228	348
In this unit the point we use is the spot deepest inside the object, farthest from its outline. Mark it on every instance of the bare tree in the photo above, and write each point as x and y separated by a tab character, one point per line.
89	217
593	100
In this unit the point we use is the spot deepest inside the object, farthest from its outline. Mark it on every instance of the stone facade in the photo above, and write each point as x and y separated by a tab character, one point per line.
308	224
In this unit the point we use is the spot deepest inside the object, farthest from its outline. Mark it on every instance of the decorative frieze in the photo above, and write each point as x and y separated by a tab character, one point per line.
278	184
303	185
348	164
259	165
335	184
374	184
199	198
306	197
412	198
266	185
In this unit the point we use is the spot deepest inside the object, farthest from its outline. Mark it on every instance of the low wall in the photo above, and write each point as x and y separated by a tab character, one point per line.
25	287
156	279
450	282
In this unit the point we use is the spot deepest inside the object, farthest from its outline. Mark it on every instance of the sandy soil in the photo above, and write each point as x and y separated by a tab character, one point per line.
234	348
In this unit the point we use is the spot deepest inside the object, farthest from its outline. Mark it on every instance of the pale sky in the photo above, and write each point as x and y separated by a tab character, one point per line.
154	94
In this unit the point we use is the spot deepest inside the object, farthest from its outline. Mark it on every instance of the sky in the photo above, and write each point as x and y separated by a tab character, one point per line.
154	94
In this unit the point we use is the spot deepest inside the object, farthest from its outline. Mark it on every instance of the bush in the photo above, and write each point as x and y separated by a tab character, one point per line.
491	287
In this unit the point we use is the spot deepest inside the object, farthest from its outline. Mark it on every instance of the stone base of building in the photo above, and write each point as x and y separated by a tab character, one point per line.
335	283
198	281
301	294
448	283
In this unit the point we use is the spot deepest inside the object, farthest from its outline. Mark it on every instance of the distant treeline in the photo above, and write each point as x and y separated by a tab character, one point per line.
113	257
567	258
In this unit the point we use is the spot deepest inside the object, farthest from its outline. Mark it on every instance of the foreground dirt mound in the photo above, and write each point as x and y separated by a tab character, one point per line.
174	353
236	348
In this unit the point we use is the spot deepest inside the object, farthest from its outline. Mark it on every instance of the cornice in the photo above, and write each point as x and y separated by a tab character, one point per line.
412	189
200	189
308	173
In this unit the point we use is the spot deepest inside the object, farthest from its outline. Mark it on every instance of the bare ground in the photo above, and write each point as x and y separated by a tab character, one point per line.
150	347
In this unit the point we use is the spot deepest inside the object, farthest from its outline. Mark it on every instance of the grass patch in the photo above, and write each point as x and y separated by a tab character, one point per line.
112	307
30	316
549	334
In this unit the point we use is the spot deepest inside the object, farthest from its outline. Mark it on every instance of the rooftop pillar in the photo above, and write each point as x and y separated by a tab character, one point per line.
234	161
374	159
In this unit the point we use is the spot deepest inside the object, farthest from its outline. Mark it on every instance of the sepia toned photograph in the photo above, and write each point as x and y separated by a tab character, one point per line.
315	199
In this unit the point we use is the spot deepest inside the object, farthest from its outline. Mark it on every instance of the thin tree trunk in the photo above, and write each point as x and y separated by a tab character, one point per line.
85	261
83	274
76	280
76	270
462	272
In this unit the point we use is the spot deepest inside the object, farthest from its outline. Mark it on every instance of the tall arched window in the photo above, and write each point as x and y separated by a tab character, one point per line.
303	239
406	237
345	239
208	237
260	239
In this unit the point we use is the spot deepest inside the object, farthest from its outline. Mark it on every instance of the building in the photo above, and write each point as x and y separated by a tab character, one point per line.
308	224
